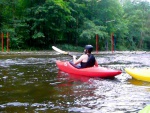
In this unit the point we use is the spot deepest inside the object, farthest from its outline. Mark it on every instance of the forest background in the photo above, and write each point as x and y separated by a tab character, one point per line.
39	24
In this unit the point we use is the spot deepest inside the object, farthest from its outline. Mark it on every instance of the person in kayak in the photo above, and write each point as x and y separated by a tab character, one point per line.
87	59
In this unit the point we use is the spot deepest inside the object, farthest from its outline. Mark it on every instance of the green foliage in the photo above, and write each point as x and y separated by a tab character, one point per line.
138	22
90	29
41	23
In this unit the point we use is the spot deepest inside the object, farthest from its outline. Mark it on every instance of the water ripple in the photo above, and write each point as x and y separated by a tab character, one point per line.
35	84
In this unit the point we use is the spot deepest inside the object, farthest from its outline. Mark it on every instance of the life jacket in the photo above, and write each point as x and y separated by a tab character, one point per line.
89	63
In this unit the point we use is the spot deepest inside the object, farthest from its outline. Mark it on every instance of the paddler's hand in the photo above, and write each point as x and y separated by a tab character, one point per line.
74	57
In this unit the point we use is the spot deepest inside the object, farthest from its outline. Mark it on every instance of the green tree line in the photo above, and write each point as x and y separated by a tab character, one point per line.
41	23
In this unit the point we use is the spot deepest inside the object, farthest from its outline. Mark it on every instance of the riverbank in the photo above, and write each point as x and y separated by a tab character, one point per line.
54	52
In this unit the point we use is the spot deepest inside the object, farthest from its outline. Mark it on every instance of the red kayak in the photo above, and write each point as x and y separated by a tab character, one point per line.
90	72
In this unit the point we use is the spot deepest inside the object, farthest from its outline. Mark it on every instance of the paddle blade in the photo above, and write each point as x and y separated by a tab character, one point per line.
59	50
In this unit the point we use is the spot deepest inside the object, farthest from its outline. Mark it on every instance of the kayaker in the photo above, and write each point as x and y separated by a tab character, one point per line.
87	59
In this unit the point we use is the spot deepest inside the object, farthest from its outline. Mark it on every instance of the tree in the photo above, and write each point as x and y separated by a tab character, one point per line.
110	14
40	23
137	14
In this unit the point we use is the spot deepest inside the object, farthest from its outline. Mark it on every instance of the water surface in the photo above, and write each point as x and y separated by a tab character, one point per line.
33	83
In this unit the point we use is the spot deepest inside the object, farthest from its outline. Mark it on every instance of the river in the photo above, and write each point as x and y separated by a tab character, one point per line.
33	83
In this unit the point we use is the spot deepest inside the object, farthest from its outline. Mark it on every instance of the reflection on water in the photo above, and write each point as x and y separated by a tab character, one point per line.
34	84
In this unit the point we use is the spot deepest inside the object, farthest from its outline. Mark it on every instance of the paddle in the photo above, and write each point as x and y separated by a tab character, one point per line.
61	51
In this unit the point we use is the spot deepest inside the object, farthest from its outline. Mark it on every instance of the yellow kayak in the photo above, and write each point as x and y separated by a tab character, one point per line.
139	73
145	110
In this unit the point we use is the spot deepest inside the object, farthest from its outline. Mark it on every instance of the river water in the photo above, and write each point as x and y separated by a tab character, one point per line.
33	83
